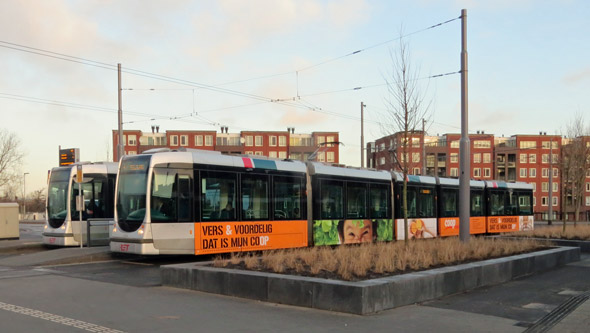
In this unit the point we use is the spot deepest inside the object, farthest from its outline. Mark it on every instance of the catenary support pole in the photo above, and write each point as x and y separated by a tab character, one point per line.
362	135
121	145
465	163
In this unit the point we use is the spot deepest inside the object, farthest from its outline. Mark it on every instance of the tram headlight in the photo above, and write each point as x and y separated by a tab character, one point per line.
114	229
45	227
140	231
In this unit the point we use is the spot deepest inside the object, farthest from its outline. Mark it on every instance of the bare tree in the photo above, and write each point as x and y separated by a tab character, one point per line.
10	158
575	162
406	108
36	201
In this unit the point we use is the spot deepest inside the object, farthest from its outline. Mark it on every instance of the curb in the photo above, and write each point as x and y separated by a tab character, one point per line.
363	297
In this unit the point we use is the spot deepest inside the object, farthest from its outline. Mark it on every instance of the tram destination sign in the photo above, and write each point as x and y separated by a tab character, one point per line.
69	156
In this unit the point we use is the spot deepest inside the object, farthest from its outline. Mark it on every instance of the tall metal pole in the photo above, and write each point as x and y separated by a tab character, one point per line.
423	147
121	145
550	182
362	135
465	163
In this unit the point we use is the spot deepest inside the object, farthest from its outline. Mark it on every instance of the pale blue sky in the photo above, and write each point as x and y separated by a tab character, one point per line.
529	67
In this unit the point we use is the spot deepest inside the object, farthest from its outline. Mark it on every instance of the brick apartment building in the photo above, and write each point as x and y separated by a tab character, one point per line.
274	144
524	158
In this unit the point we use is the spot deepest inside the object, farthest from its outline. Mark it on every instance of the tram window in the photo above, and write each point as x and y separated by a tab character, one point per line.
425	203
356	198
164	201
411	200
511	204
477	203
524	204
218	196
287	198
332	200
94	200
379	196
184	199
254	197
449	203
497	203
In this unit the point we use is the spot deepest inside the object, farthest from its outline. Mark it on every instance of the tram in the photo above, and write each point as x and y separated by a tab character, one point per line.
62	225
206	202
202	202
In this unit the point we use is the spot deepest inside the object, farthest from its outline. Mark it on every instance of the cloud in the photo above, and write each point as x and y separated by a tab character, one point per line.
576	77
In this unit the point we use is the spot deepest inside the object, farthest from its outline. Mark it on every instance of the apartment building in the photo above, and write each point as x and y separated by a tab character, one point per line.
320	146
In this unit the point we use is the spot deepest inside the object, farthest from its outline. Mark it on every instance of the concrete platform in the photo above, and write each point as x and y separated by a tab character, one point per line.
33	253
364	297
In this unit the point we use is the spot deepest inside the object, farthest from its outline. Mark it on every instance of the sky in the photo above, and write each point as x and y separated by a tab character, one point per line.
274	64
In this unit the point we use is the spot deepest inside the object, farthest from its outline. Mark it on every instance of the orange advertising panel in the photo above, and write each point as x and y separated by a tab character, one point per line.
219	237
448	226
498	224
477	225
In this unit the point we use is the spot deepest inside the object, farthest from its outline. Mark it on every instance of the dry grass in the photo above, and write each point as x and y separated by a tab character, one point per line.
580	232
378	259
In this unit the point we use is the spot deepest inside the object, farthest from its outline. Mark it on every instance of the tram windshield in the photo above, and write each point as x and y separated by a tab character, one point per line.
131	192
57	197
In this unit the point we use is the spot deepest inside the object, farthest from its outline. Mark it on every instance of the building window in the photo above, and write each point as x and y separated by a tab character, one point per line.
330	139
184	140
555	172
477	172
258	141
454	172
454	158
322	156
283	154
587	187
477	158
455	144
320	141
133	152
198	140
554	201
330	156
532	158
544	201
272	141
258	153
132	140
532	172
174	140
282	141
544	173
487	173
272	154
481	144
208	140
249	140
545	158
382	160
544	186
545	144
528	144
416	171
534	201
415	157
534	187
416	142
522	172
555	187
587	201
487	157
522	158
249	152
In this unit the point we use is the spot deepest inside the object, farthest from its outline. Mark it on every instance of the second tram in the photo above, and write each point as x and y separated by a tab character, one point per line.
62	226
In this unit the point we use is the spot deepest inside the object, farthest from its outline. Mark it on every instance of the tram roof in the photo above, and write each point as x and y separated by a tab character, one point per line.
398	176
317	168
91	167
196	156
502	184
455	182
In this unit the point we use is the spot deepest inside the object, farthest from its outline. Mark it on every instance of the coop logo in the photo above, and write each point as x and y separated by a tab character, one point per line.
52	240
450	224
124	247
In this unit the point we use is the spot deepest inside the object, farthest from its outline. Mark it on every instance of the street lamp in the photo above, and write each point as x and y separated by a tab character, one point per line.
24	194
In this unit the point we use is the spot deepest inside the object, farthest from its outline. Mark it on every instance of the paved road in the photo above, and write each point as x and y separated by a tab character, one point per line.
125	294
